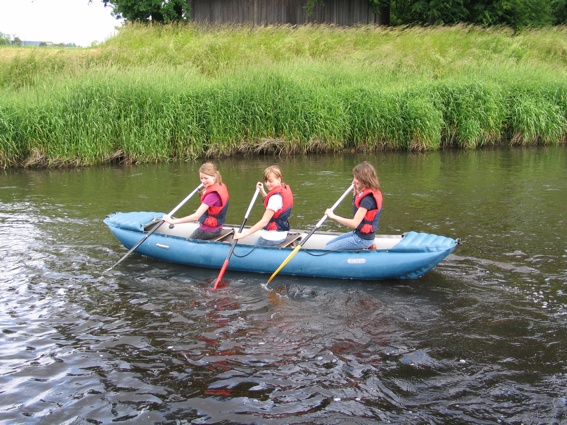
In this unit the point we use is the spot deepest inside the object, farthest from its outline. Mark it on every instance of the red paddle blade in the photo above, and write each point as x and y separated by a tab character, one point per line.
221	274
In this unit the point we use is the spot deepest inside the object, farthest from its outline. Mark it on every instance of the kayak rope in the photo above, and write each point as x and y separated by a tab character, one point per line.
318	255
255	246
245	255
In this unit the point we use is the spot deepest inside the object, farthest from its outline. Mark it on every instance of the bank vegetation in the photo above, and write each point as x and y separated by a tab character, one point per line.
181	92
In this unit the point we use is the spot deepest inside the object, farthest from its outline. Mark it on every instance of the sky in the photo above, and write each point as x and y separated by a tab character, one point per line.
58	21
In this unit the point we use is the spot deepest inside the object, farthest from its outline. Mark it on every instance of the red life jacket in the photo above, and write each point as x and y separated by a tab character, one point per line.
279	220
369	223
215	216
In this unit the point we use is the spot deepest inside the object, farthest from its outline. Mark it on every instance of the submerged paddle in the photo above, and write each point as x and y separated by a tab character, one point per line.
234	241
298	247
173	211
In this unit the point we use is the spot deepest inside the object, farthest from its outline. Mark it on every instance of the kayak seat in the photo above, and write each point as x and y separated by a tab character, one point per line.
290	240
224	234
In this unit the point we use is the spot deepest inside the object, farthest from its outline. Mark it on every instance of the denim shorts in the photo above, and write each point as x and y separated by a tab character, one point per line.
348	241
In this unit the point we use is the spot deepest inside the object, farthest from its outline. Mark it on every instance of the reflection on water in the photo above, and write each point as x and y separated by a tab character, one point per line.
477	340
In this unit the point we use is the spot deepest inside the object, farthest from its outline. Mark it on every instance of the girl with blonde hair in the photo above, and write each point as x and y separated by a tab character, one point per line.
214	205
278	202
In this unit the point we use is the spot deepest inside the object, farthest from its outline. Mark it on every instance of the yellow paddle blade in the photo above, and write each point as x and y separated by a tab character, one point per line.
289	257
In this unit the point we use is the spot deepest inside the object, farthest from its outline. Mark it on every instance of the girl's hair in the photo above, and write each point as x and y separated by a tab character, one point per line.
209	169
275	170
366	174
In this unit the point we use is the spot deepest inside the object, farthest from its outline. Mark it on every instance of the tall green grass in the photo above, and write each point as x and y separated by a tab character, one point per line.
176	93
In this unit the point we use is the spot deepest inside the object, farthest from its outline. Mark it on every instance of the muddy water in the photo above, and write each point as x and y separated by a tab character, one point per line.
480	339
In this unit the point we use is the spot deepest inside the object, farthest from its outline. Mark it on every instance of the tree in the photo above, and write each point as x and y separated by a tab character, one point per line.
514	13
559	11
162	11
4	39
383	11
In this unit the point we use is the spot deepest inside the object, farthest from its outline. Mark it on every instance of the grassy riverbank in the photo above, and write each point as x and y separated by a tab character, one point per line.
176	93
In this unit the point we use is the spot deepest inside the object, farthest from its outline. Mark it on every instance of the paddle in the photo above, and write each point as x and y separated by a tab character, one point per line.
298	247
234	241
173	211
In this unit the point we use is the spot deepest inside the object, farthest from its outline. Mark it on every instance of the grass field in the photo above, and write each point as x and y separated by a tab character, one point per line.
175	93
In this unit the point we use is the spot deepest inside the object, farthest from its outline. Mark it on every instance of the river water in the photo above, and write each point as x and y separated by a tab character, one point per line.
478	340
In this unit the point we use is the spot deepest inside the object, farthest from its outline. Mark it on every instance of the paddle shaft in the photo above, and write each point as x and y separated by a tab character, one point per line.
141	241
319	224
235	241
324	218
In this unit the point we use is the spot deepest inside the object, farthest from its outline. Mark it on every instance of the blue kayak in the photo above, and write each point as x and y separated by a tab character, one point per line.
406	256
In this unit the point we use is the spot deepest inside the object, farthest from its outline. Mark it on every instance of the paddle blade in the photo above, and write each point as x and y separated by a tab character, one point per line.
173	211
235	241
319	224
140	242
221	274
287	260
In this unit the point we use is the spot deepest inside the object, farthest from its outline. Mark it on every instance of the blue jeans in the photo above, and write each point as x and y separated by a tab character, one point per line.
348	241
266	242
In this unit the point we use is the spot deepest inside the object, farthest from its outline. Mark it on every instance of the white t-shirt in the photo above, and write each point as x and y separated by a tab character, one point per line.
275	203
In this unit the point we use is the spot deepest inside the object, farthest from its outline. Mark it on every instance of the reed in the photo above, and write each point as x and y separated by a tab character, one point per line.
176	93
537	115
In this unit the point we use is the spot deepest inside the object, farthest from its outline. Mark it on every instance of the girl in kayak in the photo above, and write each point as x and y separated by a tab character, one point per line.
278	203
367	205
214	205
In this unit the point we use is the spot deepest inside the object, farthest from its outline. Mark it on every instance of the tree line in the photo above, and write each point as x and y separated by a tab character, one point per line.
516	14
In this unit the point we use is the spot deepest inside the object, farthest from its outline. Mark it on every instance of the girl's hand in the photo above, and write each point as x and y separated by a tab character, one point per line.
329	213
260	186
167	219
237	236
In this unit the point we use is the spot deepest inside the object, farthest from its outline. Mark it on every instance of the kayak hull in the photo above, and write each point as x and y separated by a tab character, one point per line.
407	256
